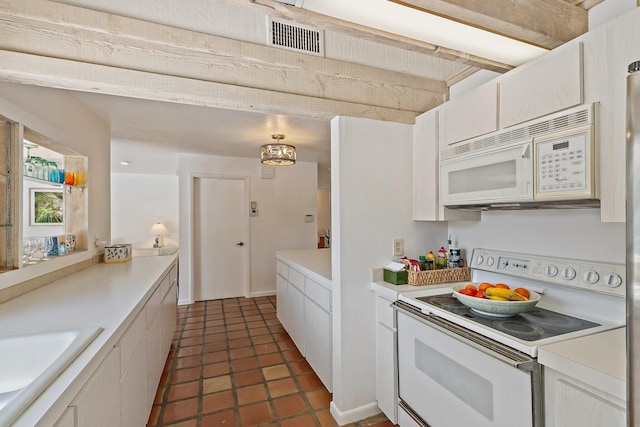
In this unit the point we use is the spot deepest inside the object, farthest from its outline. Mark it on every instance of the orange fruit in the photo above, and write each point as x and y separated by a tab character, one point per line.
467	292
480	294
522	291
501	285
484	286
471	288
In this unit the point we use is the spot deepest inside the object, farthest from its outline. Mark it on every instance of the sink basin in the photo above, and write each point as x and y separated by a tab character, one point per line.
30	363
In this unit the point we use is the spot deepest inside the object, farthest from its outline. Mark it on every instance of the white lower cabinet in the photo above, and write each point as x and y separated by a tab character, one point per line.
386	372
67	419
98	403
304	310
572	403
122	390
318	344
281	299
133	385
295	304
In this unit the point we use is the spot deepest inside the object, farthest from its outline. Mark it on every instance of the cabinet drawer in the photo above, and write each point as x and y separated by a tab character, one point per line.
384	312
318	294
153	305
296	279
130	340
165	285
173	274
282	269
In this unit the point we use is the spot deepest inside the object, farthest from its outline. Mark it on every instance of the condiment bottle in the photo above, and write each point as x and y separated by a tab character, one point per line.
431	261
442	258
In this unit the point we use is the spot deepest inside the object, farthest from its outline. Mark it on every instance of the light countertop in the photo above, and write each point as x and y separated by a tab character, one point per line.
104	295
598	360
313	263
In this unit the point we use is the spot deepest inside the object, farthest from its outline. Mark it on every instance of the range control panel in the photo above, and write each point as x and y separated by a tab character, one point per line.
598	277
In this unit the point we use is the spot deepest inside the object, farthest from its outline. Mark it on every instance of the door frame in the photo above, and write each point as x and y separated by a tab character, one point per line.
246	256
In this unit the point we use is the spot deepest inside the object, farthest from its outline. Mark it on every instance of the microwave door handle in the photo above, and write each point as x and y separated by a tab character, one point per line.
525	151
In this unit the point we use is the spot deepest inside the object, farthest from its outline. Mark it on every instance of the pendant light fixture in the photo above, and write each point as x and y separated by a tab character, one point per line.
277	154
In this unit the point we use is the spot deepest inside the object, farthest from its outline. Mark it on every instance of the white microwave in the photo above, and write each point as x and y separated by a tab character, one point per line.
514	170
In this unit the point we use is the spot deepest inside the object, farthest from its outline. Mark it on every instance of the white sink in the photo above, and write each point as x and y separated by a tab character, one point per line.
29	363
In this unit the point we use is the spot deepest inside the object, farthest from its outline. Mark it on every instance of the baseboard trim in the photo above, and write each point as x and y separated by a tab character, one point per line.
262	294
353	415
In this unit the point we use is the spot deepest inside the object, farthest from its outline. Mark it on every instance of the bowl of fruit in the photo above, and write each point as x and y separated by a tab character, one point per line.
497	300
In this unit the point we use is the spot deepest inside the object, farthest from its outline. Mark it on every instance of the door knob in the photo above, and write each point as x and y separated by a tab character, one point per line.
240	244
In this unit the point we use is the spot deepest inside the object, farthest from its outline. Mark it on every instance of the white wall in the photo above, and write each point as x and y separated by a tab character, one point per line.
61	117
371	204
574	233
140	200
282	201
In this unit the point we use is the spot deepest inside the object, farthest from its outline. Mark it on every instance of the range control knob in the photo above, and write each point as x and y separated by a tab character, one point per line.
568	273
551	270
612	280
590	277
479	259
490	261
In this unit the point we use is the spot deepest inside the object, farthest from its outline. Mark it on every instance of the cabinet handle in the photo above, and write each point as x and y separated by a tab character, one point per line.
240	244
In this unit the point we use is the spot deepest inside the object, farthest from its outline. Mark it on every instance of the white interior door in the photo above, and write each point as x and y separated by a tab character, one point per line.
220	238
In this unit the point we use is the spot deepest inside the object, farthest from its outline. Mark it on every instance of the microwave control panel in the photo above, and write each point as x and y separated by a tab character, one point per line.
563	164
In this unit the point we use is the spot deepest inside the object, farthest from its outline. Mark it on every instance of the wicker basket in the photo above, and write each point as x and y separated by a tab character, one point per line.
432	277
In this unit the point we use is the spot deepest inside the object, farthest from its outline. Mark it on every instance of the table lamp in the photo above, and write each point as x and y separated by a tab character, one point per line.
159	230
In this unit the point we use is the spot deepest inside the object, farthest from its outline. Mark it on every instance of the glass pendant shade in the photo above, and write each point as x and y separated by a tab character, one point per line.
277	154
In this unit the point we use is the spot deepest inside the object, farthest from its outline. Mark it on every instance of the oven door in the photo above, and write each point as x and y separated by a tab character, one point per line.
451	380
504	175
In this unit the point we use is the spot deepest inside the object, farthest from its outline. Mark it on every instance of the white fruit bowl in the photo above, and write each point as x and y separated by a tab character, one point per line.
495	308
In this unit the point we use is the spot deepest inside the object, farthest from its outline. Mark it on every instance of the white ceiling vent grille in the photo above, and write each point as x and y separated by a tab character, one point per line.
300	38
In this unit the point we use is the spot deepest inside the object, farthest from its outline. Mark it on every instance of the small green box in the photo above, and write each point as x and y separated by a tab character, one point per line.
396	277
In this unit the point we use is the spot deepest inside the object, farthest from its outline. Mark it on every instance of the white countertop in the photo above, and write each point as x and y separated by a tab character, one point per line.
313	263
598	360
105	295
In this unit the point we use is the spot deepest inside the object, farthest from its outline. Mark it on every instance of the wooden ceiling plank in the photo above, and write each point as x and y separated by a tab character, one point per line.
16	67
126	43
543	23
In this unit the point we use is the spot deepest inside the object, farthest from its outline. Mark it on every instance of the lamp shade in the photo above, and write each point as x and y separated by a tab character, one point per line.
278	154
159	229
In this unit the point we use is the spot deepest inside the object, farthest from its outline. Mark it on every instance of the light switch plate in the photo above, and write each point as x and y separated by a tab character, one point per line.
398	247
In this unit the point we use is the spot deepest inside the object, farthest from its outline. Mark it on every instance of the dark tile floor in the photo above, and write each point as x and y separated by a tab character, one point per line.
233	364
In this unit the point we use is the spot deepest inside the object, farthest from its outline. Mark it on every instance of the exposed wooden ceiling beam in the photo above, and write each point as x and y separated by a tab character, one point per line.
544	23
317	20
89	50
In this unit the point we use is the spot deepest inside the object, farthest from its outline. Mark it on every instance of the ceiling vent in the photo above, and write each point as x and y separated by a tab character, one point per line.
291	36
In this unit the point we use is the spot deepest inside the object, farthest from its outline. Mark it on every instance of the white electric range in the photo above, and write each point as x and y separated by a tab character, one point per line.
456	366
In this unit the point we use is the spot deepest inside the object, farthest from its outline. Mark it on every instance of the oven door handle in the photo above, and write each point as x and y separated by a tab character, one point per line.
494	349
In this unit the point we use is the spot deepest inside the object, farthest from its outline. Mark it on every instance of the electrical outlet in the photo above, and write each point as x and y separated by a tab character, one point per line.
398	247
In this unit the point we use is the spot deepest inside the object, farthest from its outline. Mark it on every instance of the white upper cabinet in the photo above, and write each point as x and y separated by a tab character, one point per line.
546	85
472	114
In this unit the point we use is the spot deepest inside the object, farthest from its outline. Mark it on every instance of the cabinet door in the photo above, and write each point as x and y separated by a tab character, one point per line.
472	114
386	384
281	300
425	167
133	385
154	363
98	403
67	419
169	318
295	307
549	84
318	342
569	402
